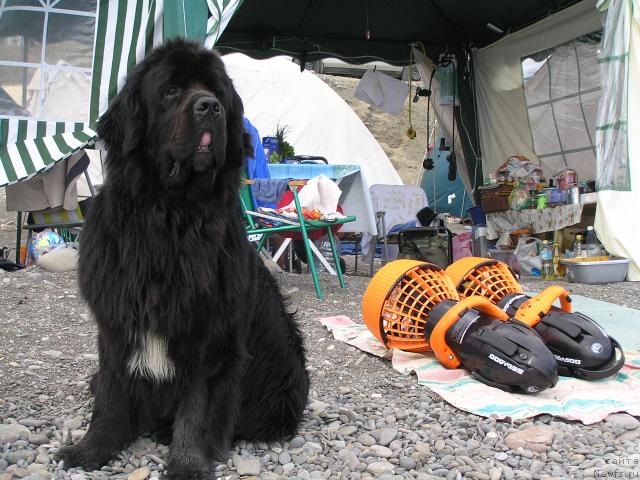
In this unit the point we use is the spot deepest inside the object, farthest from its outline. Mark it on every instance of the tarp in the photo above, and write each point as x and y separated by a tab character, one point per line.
502	109
617	222
318	121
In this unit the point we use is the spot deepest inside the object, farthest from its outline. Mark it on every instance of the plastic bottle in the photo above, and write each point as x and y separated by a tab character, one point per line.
556	260
592	245
546	255
579	250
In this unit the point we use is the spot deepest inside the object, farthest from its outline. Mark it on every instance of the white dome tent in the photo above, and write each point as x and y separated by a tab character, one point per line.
275	92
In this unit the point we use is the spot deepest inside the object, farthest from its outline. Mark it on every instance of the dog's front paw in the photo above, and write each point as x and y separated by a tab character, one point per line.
189	468
85	457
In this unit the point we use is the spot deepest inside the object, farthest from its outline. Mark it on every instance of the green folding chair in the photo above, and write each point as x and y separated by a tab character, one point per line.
258	233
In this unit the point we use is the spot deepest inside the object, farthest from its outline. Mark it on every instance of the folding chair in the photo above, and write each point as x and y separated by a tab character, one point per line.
56	218
393	205
259	233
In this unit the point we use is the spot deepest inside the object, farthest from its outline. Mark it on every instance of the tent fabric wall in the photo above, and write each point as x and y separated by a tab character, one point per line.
502	112
562	101
617	222
444	116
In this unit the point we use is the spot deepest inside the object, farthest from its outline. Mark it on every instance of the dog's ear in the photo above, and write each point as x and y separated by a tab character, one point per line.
122	125
238	140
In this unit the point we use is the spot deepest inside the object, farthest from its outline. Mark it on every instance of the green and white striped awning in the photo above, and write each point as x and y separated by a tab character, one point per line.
25	158
125	32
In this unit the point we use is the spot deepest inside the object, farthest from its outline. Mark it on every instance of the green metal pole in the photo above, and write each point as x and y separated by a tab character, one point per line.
305	239
336	257
262	242
19	236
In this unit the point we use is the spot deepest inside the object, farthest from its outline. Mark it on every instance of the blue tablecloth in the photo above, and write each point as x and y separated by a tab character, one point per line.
305	171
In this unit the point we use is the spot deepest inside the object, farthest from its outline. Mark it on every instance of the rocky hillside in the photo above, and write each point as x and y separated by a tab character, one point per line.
390	131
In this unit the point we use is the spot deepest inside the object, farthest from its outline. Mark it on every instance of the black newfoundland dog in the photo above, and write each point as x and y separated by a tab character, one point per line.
194	339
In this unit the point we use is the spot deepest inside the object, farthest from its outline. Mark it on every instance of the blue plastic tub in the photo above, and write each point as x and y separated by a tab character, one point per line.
478	217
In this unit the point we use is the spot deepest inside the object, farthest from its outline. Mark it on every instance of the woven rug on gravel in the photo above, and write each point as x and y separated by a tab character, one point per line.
572	399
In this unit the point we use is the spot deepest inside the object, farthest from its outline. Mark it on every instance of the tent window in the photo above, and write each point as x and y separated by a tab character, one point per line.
46	52
562	87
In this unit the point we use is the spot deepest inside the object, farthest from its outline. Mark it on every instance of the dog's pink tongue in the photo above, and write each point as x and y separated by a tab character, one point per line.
205	141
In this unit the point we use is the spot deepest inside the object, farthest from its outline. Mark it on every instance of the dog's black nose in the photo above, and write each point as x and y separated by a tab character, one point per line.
206	105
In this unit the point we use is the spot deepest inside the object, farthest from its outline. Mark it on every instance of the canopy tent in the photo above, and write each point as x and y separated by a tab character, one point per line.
490	40
318	122
369	30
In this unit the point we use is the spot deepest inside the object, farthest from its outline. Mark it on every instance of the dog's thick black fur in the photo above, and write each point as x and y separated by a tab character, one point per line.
194	338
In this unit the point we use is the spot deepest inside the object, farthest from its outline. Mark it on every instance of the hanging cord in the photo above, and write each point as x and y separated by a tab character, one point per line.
453	167
411	132
420	92
427	161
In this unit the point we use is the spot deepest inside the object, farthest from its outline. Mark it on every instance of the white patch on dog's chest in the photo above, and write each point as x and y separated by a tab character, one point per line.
151	359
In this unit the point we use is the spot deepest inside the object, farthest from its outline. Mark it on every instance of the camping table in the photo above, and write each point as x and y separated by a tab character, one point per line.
354	199
545	220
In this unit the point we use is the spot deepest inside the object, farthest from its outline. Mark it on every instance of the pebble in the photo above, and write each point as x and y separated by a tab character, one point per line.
623	420
377	451
386	436
537	438
380	468
366	440
296	442
139	474
536	466
12	432
31	422
347	431
247	465
284	458
38	438
407	463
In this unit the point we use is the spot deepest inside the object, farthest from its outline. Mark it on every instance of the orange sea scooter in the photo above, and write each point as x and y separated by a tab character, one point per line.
414	306
580	346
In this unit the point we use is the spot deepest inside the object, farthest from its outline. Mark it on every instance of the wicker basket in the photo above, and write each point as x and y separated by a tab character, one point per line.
496	198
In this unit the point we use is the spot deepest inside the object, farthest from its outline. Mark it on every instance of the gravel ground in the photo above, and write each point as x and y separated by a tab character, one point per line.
364	420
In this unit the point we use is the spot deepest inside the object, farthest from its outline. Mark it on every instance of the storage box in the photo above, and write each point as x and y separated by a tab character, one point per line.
596	272
495	198
556	196
270	146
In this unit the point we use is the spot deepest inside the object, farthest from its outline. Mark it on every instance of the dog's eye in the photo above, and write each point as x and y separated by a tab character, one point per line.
171	91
